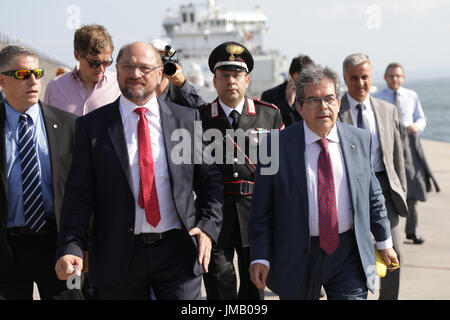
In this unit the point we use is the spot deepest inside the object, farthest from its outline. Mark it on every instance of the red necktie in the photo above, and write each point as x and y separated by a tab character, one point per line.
328	221
148	197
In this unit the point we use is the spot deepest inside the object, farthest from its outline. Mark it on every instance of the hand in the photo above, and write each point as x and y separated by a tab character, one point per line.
412	129
258	275
67	265
204	247
177	78
290	92
389	257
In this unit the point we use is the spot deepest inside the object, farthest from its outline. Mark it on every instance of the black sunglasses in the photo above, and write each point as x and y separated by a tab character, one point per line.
24	74
96	64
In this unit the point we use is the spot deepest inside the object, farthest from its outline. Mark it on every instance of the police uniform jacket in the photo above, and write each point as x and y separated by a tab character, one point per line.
238	176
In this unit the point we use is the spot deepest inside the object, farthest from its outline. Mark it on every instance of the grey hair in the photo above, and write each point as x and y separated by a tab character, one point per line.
313	74
9	53
355	60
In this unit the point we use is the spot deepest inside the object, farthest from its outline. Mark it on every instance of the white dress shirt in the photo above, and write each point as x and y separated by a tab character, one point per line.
369	118
410	109
169	216
343	204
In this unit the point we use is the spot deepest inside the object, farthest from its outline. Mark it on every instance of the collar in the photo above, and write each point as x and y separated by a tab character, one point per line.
12	116
352	102
127	107
311	137
228	109
400	91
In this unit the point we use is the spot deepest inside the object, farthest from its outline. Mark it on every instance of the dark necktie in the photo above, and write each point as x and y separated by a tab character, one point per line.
360	121
328	220
33	201
148	197
235	116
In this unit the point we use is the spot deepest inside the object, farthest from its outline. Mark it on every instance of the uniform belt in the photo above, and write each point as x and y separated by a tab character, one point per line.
380	173
149	238
240	188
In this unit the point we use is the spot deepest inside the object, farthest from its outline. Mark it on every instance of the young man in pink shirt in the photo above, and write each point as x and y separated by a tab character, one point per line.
89	85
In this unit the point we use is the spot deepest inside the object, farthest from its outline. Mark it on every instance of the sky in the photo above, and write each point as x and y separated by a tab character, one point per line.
412	32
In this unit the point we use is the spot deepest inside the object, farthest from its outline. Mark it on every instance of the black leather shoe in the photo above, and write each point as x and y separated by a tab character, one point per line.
415	238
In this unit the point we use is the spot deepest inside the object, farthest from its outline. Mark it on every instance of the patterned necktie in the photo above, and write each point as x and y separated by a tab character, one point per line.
235	116
148	197
360	122
328	220
33	201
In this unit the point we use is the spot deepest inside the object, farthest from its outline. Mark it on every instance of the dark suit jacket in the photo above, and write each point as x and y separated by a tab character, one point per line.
60	129
279	221
100	183
391	146
277	96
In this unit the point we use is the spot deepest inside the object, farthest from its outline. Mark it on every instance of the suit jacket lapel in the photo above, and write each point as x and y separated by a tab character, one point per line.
380	121
345	113
220	122
295	153
247	119
52	124
115	130
350	151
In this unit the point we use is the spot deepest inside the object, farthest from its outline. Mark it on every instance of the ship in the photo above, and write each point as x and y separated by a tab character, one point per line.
194	30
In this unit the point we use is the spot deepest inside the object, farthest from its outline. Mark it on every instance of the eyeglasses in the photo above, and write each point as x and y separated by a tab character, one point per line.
236	76
143	68
96	64
25	74
317	101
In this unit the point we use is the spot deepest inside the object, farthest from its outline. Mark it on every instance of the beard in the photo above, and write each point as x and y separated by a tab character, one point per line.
138	96
135	95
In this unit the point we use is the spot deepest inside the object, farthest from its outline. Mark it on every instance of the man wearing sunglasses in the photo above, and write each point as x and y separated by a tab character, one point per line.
89	85
35	153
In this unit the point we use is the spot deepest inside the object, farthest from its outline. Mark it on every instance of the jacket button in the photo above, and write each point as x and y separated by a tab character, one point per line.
131	230
235	175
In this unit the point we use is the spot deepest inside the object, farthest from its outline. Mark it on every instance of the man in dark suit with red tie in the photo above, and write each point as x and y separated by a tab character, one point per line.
147	232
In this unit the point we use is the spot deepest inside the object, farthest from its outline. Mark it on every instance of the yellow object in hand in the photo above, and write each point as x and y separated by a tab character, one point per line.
380	264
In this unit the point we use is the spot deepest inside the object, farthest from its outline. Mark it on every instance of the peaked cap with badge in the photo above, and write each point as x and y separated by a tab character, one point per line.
231	56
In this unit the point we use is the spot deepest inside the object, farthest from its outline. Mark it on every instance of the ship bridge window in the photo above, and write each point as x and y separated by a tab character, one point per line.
184	17
192	17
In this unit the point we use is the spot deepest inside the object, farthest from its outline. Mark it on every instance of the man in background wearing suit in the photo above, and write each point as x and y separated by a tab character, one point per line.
146	231
36	143
413	121
283	95
311	222
381	119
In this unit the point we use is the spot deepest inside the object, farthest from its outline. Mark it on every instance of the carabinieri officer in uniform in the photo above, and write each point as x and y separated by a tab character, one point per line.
231	64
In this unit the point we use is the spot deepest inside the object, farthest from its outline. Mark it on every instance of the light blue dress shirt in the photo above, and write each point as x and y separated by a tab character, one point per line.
16	216
411	111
